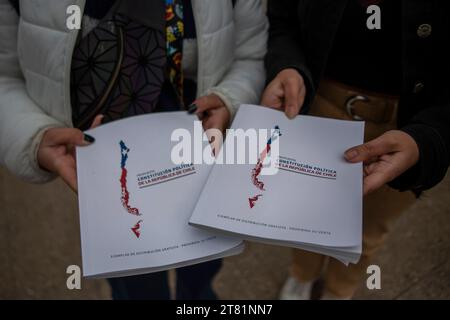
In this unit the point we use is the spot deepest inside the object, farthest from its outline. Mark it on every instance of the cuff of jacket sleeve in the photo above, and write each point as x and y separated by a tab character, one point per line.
227	98
39	175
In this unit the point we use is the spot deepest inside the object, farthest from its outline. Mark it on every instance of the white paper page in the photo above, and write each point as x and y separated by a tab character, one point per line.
109	243
294	207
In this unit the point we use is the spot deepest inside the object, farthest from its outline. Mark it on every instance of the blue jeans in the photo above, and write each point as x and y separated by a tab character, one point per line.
193	283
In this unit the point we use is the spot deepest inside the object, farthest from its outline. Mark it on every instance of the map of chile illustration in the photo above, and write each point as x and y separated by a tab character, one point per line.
125	195
259	166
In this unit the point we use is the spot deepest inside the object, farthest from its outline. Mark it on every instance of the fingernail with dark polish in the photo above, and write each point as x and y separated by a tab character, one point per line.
192	108
89	138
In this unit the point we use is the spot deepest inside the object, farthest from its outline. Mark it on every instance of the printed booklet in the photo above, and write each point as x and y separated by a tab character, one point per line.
135	203
313	201
151	197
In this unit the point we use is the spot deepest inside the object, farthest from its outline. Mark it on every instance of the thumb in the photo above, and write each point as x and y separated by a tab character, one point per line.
66	136
369	150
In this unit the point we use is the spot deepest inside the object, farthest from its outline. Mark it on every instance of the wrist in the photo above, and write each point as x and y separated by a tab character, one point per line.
429	169
41	174
226	99
412	147
290	72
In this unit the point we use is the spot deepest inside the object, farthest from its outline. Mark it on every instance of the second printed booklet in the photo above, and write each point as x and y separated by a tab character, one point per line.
313	201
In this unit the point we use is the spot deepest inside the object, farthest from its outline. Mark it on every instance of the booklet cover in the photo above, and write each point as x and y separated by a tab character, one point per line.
312	202
135	203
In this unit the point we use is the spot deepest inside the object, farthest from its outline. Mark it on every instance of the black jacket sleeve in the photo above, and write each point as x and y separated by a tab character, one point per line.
15	4
430	128
301	36
284	49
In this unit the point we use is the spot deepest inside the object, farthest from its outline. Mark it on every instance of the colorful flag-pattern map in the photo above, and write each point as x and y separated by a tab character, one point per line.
125	195
259	166
137	228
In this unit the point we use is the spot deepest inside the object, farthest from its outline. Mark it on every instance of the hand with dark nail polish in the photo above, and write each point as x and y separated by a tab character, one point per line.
192	108
56	151
88	138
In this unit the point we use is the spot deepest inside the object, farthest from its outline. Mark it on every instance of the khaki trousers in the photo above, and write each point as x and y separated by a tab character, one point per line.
380	209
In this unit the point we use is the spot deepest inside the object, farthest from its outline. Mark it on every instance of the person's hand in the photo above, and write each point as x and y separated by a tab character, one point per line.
286	92
384	158
214	114
56	151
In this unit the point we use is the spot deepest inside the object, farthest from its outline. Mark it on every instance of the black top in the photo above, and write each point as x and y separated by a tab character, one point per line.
98	9
302	35
370	59
121	72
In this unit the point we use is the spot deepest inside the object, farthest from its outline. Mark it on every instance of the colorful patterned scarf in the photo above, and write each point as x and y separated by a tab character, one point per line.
174	43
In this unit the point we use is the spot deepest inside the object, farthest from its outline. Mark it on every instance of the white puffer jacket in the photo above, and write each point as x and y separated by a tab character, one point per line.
36	53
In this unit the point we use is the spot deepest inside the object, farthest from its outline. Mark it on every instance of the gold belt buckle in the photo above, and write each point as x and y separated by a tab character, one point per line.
350	108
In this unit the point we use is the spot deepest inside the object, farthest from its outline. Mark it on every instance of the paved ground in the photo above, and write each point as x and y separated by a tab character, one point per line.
39	238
